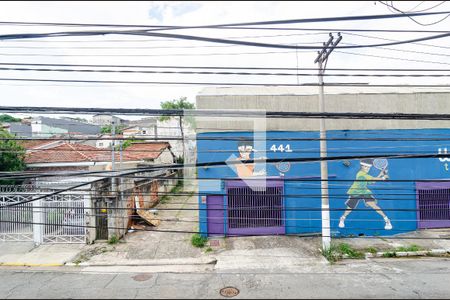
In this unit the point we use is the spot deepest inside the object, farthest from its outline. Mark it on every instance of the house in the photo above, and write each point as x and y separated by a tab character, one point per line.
105	141
284	196
171	129
60	155
18	129
95	205
47	127
108	119
139	131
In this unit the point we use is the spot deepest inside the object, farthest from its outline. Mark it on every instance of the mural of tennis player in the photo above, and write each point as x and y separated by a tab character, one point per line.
245	149
243	170
359	191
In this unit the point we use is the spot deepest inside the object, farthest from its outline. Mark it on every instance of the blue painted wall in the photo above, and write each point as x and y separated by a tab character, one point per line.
302	181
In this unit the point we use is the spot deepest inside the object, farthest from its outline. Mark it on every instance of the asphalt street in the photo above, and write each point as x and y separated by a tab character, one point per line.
375	278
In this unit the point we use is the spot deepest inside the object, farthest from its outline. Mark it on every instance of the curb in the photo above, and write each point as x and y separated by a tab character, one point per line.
24	264
393	253
141	263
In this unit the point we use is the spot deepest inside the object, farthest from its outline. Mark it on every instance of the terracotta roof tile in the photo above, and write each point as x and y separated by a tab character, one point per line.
83	153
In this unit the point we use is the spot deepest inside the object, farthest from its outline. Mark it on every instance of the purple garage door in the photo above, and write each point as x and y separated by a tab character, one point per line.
255	210
433	204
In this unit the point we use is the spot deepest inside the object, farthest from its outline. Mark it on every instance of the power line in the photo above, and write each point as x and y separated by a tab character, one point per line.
276	22
221	67
215	73
207	39
219	83
386	39
415	21
223	113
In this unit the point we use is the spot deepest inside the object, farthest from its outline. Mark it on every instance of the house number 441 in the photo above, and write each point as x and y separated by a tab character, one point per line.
281	148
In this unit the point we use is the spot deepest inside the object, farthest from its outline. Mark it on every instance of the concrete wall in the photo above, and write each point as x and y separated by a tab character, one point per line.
367	102
166	157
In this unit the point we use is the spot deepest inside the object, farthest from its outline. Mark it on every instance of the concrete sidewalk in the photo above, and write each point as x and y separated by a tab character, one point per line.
170	245
27	254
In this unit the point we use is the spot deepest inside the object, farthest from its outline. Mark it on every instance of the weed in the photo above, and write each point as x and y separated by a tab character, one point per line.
347	249
176	189
209	249
331	254
372	250
337	252
410	248
198	241
113	240
390	254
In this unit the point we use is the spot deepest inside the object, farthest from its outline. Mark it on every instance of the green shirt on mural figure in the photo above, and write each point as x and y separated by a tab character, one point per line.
359	187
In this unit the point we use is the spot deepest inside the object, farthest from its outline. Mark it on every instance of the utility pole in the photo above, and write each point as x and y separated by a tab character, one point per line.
113	144
322	59
113	154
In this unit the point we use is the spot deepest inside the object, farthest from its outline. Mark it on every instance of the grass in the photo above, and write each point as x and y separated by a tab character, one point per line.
372	250
337	252
209	249
331	254
198	241
176	189
349	251
113	240
389	254
410	248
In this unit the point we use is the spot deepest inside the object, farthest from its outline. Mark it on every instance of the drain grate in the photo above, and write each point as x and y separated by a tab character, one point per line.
142	277
229	291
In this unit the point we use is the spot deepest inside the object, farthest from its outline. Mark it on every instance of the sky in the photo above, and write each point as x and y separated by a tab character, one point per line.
138	51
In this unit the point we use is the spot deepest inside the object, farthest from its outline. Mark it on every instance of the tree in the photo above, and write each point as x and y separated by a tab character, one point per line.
107	129
12	155
180	103
8	119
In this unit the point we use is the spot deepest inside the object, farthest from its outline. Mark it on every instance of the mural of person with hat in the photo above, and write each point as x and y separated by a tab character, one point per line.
359	191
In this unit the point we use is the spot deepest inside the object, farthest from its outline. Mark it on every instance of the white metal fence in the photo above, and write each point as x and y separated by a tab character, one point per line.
64	219
55	219
16	221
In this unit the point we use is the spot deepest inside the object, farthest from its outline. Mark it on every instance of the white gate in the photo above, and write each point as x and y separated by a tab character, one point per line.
64	219
54	219
16	222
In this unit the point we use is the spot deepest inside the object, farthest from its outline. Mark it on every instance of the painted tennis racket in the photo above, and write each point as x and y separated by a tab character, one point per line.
283	166
381	164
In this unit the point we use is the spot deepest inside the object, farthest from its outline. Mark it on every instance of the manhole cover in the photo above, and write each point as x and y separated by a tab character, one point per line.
229	291
142	277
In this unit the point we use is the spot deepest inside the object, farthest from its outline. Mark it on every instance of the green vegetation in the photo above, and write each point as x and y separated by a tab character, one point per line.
181	103
113	240
198	241
4	118
175	190
331	254
12	156
337	252
372	250
126	144
107	129
346	249
389	254
209	249
410	248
